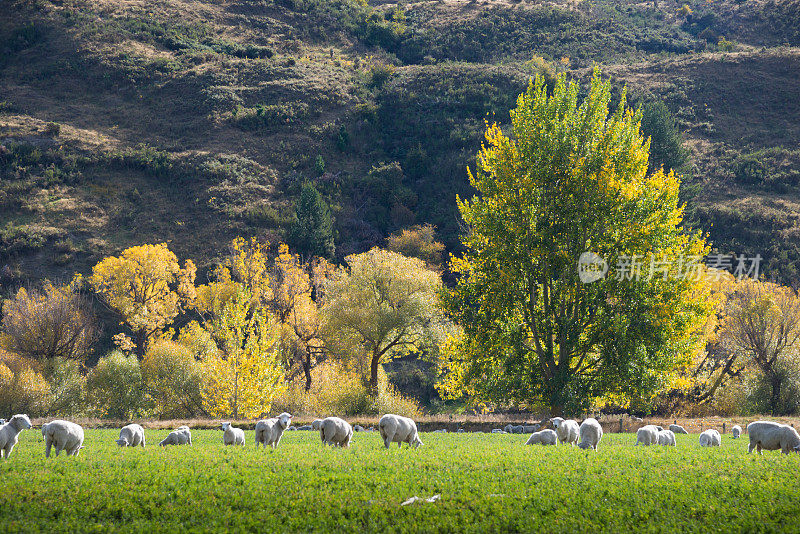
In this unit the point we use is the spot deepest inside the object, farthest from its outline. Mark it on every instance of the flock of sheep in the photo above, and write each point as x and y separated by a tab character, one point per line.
67	436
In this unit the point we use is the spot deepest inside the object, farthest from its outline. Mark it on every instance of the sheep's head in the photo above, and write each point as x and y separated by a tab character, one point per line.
556	421
285	419
21	421
122	442
417	442
584	445
226	425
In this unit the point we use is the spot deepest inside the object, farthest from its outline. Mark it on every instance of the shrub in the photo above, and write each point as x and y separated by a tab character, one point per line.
174	380
115	388
22	389
66	386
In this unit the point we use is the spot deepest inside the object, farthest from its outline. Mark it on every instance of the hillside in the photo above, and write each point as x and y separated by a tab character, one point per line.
190	122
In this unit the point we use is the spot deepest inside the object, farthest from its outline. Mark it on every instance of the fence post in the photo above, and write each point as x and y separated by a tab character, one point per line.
723	427
620	424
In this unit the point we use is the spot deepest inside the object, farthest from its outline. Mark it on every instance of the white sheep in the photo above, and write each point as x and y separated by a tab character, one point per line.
736	431
591	433
231	435
543	437
666	438
180	436
270	431
772	436
65	435
335	431
9	433
566	430
678	429
710	438
399	429
131	436
647	435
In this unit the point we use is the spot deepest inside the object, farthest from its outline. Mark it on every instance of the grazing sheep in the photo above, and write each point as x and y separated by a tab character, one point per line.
315	424
358	428
772	436
591	433
9	433
647	435
567	431
270	431
231	435
678	429
736	431
180	436
711	438
335	431
498	431
528	429
440	431
292	428
543	437
666	438
131	436
64	435
399	429
460	431
305	427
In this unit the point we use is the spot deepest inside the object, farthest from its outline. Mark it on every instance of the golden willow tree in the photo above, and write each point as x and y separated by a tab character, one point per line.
571	178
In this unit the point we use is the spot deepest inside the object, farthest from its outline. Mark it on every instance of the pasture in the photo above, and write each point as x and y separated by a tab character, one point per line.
486	482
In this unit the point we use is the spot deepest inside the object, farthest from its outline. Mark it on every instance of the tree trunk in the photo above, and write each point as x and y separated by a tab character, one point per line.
307	368
373	377
141	343
776	393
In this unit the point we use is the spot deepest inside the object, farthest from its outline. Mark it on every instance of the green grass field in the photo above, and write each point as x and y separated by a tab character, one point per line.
487	483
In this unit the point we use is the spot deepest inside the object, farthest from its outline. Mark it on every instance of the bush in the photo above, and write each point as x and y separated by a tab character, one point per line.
115	388
22	389
174	380
66	384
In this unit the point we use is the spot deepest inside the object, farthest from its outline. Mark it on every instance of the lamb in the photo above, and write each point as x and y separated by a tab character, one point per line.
543	437
335	431
678	429
772	436
647	435
9	433
711	438
666	438
131	436
65	435
736	431
270	431
231	435
180	436
567	431
591	433
399	429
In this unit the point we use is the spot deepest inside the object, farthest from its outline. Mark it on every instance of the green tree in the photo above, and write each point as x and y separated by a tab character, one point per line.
571	179
666	143
379	306
311	233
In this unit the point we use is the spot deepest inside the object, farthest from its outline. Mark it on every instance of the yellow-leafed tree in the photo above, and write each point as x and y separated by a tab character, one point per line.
147	287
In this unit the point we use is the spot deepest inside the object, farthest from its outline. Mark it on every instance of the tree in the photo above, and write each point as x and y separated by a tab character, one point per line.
418	242
245	375
147	287
571	180
173	378
311	232
379	306
45	325
764	324
666	143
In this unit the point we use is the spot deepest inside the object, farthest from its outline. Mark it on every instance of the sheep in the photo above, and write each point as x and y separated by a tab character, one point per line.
543	437
65	435
131	436
305	427
659	428
9	433
647	435
2	422
528	429
678	429
335	431
666	438
736	431
231	435
772	436
180	436
711	438
358	428
567	431
591	433
498	431
315	424
270	431
399	429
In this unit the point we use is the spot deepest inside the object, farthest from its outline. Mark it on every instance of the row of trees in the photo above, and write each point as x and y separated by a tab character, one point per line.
260	322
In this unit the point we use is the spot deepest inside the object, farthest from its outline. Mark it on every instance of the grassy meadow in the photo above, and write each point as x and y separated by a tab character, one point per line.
487	483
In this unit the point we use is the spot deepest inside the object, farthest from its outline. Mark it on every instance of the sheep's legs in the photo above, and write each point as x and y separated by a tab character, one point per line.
47	445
